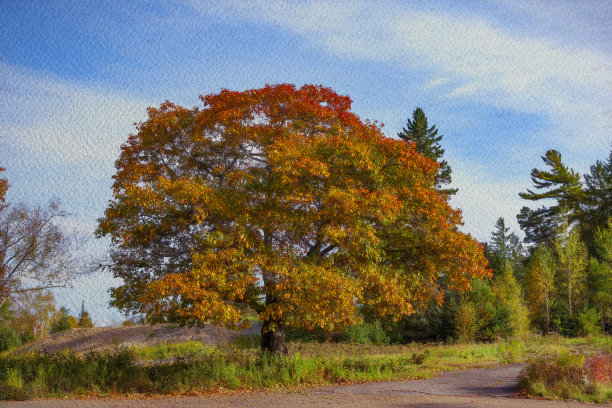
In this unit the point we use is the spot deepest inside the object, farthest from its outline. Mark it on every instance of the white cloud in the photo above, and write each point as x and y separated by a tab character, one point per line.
483	62
63	120
483	199
436	82
464	90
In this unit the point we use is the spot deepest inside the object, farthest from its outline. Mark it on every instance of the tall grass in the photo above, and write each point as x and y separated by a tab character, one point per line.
195	367
571	376
119	371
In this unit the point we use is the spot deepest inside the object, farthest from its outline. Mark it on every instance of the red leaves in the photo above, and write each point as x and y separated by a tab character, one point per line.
599	368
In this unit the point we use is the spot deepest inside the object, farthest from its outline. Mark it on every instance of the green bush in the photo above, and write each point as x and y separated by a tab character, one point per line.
565	377
8	337
588	322
27	337
367	333
63	321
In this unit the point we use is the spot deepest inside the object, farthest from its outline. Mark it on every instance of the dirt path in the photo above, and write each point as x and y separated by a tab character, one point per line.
487	387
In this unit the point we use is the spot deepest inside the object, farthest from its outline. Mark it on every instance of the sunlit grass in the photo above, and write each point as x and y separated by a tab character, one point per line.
197	367
570	376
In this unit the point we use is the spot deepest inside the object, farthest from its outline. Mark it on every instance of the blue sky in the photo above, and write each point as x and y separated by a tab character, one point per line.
503	82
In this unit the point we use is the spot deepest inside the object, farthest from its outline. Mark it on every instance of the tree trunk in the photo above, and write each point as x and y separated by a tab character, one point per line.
569	290
547	315
273	337
273	331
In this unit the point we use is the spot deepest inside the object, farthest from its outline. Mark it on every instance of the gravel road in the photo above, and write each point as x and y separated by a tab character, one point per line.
485	387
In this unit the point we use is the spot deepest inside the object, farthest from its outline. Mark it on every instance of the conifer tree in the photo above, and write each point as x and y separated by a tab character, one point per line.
539	226
597	206
559	183
505	247
428	144
600	272
84	319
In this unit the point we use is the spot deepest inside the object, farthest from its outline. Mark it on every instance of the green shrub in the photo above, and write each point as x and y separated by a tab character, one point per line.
8	337
377	334
367	333
566	377
63	322
27	337
588	322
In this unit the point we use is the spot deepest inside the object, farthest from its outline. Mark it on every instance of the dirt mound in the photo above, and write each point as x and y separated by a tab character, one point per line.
82	340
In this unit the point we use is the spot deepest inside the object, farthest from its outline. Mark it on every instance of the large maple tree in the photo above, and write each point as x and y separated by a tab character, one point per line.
282	199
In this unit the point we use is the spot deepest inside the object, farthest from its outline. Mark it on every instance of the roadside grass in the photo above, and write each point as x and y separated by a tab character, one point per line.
194	367
571	376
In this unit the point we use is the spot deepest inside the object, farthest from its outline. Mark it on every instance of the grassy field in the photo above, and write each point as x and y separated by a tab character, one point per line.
193	367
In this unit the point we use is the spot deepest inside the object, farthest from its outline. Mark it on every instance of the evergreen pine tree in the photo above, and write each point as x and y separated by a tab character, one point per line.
428	144
505	247
62	322
559	183
84	319
597	206
600	273
539	226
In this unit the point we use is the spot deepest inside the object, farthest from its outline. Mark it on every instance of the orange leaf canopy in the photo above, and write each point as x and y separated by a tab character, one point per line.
283	199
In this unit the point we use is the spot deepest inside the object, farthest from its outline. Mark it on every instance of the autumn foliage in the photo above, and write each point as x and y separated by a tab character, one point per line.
282	199
3	186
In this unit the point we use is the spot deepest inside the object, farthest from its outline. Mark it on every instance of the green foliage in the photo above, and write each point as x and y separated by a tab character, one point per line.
63	321
597	206
540	225
466	325
513	320
434	322
8	337
367	333
84	319
504	248
541	286
588	322
427	142
562	322
118	371
566	376
572	257
300	334
560	183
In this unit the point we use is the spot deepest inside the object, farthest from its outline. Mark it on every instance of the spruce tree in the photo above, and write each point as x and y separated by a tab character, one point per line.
428	144
505	247
84	319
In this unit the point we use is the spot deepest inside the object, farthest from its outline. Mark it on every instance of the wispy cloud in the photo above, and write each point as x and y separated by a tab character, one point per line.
436	82
61	120
479	60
